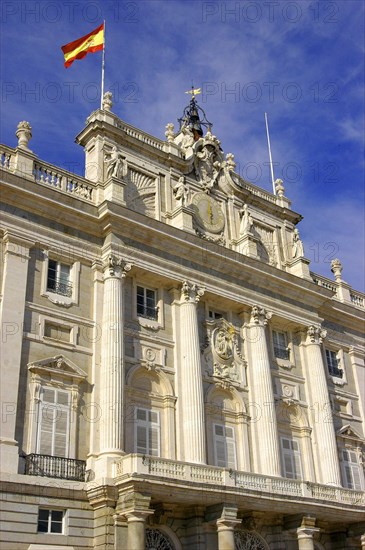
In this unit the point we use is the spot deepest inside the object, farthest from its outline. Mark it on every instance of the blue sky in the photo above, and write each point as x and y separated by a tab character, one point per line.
299	61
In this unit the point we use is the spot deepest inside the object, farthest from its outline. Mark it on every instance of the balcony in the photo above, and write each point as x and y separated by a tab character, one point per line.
164	471
55	466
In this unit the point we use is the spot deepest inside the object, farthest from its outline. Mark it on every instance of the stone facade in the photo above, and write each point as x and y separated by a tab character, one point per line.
173	374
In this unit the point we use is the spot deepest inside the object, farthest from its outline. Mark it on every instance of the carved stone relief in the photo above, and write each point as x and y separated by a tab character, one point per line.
222	360
141	193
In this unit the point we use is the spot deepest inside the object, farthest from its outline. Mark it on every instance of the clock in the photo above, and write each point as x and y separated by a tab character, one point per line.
207	212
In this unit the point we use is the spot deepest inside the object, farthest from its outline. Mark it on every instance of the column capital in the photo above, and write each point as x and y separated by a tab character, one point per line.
191	292
116	267
259	316
315	335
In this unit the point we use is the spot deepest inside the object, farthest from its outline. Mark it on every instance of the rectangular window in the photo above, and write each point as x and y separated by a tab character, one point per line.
147	432
215	315
59	278
333	364
280	345
50	521
291	458
224	446
351	470
146	303
53	422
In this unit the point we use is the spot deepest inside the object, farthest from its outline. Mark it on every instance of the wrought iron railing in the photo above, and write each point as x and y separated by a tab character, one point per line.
55	466
59	287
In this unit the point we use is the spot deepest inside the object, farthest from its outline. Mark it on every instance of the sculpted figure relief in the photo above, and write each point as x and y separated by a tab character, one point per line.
298	250
181	191
246	221
116	166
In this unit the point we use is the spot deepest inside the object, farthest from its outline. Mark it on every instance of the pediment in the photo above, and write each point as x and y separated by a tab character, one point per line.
348	431
58	366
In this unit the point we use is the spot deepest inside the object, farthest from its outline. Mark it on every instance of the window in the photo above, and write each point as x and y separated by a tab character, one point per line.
333	364
291	458
53	422
58	278
351	470
146	303
215	315
280	343
147	432
50	521
225	446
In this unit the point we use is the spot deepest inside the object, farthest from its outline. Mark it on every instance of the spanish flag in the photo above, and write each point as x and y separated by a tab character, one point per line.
78	49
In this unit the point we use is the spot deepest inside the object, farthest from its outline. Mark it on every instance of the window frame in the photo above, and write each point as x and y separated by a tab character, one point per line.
351	465
56	408
276	346
74	278
148	425
145	306
294	455
50	521
145	321
225	439
334	370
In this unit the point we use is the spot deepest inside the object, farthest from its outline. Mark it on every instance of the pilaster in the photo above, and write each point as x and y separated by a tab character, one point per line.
16	260
264	432
325	448
190	397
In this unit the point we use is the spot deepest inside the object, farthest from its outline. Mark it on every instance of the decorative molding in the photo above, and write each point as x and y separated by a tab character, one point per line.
315	335
260	316
191	292
116	267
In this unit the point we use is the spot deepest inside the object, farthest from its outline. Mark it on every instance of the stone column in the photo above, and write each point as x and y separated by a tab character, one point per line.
134	507
305	533
137	529
225	527
112	362
320	405
190	376
16	259
362	540
264	429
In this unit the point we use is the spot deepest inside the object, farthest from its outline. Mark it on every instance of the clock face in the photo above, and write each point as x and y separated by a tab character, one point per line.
208	213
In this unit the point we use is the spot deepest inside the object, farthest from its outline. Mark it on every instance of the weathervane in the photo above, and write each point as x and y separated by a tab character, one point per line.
191	119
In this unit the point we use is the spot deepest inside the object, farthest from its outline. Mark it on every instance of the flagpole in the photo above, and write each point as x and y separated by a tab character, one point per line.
271	165
102	72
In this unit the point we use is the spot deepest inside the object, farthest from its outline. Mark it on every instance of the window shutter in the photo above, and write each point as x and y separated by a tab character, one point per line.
225	446
147	432
291	458
54	420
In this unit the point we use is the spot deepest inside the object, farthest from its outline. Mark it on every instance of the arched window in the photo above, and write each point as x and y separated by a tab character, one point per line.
156	540
245	540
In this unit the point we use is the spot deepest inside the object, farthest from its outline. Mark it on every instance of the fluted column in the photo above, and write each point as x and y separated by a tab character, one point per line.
306	532
16	260
112	359
191	384
264	427
320	407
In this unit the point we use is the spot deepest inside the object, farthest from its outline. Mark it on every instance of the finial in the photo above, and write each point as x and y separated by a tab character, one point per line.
24	134
169	132
107	101
336	268
279	187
